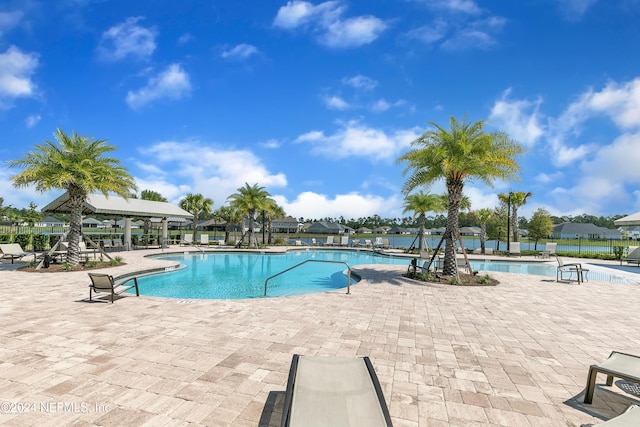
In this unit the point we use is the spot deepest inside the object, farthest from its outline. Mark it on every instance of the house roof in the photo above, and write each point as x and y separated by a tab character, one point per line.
91	221
579	228
51	219
115	205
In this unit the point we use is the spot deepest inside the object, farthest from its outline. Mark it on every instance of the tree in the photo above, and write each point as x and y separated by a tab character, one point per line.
75	164
483	216
518	199
32	215
461	154
540	226
420	203
249	200
196	204
152	195
272	211
497	225
230	215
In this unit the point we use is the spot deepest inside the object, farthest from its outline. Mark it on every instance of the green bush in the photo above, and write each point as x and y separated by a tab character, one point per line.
40	242
6	238
24	240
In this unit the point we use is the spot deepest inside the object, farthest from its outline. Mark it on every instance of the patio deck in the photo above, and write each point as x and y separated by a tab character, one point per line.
512	355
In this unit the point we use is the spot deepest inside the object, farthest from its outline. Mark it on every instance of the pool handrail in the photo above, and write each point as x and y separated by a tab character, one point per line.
312	260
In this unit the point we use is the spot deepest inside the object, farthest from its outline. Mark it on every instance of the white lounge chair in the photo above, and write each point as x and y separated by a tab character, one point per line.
620	365
633	256
334	391
12	251
629	418
329	241
187	240
344	241
514	249
204	239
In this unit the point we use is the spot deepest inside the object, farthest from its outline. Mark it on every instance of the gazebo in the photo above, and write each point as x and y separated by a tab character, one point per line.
118	206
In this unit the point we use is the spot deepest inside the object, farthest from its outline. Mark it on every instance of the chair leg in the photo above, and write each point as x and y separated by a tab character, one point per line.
591	385
609	380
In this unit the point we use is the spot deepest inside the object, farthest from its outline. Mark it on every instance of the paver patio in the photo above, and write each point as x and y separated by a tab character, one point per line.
516	354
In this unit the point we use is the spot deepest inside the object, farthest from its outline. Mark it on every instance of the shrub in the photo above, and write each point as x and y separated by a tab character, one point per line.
67	266
483	280
40	242
115	261
5	238
24	240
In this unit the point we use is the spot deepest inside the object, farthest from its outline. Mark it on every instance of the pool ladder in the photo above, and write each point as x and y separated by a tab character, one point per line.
312	260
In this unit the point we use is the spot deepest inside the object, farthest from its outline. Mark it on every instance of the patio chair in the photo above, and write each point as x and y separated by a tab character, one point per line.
107	244
106	283
570	269
367	243
329	241
187	240
629	418
514	249
204	239
344	241
13	251
633	256
334	391
117	244
620	365
549	249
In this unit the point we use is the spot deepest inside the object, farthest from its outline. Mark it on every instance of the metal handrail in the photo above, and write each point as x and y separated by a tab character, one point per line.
312	260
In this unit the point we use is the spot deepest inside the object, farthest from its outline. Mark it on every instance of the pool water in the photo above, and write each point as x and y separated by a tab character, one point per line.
242	275
238	275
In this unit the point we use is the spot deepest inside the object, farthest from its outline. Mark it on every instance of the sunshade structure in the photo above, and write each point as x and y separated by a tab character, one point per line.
628	220
117	206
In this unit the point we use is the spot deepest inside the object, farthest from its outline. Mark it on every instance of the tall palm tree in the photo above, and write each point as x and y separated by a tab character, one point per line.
196	204
273	211
461	154
230	215
518	199
420	203
483	216
249	200
75	164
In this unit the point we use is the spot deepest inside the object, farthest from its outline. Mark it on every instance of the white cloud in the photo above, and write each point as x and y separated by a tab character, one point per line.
311	205
355	140
519	118
241	51
212	171
9	20
32	120
478	34
127	39
575	9
326	19
463	6
335	103
360	82
380	106
172	83
16	71
353	32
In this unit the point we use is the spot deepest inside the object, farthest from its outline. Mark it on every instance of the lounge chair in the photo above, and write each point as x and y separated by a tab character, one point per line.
385	243
313	241
633	256
549	249
378	243
187	240
514	249
329	241
105	283
84	250
328	391
13	251
344	241
570	269
117	244
220	242
488	251
204	239
620	365
367	243
629	418
107	244
355	243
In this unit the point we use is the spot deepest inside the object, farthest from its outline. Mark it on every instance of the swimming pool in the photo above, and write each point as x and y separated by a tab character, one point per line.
238	275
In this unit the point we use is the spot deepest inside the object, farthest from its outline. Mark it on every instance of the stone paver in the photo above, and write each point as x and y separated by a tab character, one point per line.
515	354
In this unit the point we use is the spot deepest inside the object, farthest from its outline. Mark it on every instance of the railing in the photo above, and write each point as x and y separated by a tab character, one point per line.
312	260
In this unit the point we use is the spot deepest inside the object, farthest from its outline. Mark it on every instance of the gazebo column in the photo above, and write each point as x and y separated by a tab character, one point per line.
127	234
165	232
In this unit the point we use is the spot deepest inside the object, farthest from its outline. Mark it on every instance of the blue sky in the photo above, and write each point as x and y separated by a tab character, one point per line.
316	100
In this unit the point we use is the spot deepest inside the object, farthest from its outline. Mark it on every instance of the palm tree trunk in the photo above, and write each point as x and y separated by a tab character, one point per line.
483	236
76	200
454	188
251	236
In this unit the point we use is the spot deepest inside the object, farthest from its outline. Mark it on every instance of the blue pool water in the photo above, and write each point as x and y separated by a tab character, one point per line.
238	275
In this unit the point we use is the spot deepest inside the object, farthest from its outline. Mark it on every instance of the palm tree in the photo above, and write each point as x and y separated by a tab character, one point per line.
459	155
249	200
483	216
230	215
420	203
273	211
153	196
518	199
75	164
196	204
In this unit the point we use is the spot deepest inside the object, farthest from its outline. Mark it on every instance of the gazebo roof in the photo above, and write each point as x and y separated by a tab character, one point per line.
115	205
633	219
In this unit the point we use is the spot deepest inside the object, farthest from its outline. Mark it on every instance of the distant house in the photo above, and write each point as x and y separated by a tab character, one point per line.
438	231
49	222
381	230
326	227
633	231
91	223
364	230
398	230
570	230
286	225
470	231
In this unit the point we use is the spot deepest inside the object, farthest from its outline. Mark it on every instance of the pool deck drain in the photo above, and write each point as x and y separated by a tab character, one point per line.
516	354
